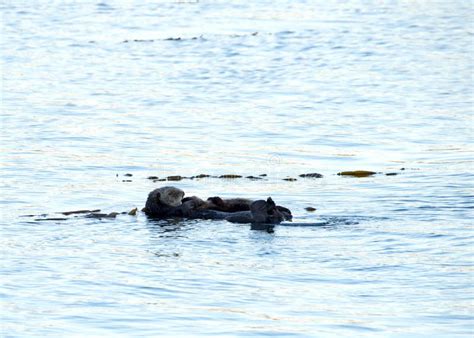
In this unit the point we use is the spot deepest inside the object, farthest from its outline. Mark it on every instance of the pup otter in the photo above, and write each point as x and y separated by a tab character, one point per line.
168	202
259	212
232	205
229	204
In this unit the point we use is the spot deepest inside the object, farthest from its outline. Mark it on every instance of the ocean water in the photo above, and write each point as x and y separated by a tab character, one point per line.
94	90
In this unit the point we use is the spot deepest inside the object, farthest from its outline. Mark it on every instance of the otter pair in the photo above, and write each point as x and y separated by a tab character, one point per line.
169	202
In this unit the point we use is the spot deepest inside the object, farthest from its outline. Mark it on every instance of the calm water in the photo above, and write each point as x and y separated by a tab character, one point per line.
93	90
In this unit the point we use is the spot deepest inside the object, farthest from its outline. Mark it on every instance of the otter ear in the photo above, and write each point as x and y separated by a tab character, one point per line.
258	210
270	203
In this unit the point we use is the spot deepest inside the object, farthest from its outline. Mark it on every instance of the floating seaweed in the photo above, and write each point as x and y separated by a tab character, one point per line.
357	173
230	176
85	211
202	176
101	215
311	175
353	173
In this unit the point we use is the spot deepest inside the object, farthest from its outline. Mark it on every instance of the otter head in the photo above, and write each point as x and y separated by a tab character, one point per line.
266	212
170	196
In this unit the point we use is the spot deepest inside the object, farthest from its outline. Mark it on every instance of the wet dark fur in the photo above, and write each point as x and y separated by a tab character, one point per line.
155	208
228	204
236	210
258	212
234	205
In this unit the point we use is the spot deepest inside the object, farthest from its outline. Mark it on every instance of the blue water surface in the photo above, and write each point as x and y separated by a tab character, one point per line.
94	90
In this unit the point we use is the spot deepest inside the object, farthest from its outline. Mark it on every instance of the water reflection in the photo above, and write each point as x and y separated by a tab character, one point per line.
169	228
263	227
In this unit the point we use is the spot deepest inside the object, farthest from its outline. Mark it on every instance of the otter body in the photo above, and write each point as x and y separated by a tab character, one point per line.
232	205
228	204
168	202
259	211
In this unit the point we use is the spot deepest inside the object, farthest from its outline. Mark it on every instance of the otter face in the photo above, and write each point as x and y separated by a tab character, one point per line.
285	212
170	196
275	216
266	212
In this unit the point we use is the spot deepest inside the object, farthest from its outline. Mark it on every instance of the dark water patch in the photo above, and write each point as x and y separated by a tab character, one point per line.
102	6
379	268
166	254
356	328
310	224
193	38
331	221
51	219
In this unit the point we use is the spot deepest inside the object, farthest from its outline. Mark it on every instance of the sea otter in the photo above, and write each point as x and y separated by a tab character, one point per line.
164	202
169	202
232	205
